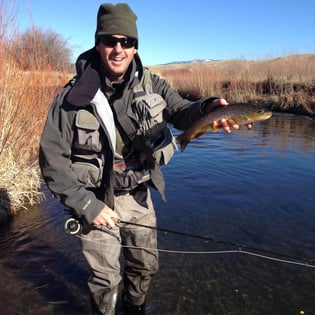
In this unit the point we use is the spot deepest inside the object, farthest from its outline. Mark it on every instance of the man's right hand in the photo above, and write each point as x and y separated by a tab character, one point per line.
106	217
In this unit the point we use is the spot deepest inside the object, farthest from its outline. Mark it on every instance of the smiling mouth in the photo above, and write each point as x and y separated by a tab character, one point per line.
117	60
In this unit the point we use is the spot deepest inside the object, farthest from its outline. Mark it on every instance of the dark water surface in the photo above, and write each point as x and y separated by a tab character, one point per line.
255	188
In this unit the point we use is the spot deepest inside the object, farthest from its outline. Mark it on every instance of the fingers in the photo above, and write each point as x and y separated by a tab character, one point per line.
231	123
107	217
110	218
109	221
223	123
222	101
219	101
227	125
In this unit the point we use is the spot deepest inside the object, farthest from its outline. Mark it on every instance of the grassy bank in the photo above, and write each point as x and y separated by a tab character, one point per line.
28	84
284	84
24	100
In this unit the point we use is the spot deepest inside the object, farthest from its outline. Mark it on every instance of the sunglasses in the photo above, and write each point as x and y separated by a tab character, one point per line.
110	41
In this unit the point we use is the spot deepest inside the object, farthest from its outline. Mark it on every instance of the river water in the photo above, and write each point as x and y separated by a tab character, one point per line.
253	188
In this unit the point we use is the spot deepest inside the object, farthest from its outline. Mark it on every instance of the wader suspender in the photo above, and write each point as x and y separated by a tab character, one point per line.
141	89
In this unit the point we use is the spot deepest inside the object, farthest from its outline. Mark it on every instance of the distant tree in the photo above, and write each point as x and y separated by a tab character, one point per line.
41	49
7	20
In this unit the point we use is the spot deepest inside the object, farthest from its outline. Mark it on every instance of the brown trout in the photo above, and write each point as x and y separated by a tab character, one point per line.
240	113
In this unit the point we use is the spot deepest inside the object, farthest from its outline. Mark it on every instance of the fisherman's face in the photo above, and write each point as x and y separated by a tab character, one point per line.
116	52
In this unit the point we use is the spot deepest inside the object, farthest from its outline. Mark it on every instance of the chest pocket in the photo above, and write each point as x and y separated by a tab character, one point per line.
87	158
87	132
149	109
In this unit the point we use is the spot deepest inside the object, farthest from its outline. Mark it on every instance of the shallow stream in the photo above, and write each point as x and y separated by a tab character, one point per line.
253	188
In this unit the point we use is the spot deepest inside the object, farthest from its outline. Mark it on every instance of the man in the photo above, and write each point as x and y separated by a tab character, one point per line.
102	147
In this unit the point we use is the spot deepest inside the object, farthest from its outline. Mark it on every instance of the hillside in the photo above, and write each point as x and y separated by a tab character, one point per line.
299	61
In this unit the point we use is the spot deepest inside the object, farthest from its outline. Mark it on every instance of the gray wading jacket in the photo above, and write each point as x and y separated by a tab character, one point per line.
75	134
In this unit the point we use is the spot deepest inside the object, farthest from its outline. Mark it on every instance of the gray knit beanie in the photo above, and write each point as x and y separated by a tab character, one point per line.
116	19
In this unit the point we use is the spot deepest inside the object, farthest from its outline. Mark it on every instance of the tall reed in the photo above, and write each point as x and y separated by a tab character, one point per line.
24	100
283	84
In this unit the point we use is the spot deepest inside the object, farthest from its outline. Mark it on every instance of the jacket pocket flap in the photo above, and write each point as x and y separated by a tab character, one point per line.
155	104
86	120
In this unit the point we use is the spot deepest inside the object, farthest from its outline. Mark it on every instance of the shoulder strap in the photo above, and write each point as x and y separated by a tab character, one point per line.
141	89
144	86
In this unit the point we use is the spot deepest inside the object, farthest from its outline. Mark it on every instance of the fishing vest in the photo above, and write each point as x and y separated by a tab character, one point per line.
149	134
146	131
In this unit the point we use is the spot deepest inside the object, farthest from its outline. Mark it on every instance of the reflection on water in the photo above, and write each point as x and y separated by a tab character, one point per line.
251	187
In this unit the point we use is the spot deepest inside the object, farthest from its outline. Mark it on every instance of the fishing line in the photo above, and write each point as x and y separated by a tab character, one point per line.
217	252
241	248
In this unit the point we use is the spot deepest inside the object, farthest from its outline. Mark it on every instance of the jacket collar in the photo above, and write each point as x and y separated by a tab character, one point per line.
89	77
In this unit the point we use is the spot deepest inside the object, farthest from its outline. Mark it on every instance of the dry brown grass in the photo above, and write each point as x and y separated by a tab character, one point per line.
284	84
24	100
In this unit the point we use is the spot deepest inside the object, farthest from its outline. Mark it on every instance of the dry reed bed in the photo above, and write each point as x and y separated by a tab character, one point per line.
282	84
24	101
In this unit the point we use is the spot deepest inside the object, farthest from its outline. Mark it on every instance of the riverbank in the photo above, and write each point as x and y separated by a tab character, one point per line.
25	97
20	186
284	84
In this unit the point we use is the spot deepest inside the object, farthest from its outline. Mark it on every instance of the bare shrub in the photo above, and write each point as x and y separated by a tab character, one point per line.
24	100
283	84
41	49
23	105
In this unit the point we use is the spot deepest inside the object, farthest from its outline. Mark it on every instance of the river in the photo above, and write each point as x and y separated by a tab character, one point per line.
254	188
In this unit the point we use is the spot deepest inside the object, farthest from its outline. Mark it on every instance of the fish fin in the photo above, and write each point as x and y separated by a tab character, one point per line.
180	137
183	145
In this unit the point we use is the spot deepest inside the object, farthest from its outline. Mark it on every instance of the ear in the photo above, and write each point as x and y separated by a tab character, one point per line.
97	47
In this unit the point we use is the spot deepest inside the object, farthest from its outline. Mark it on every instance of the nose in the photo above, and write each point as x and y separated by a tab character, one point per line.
118	47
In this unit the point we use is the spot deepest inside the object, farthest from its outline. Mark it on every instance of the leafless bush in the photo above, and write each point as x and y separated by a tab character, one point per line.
24	100
283	84
41	50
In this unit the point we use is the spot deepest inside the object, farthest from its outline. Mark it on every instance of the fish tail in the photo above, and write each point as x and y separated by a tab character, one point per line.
183	145
182	141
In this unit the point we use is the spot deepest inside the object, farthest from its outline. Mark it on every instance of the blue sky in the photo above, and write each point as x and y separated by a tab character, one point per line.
177	30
